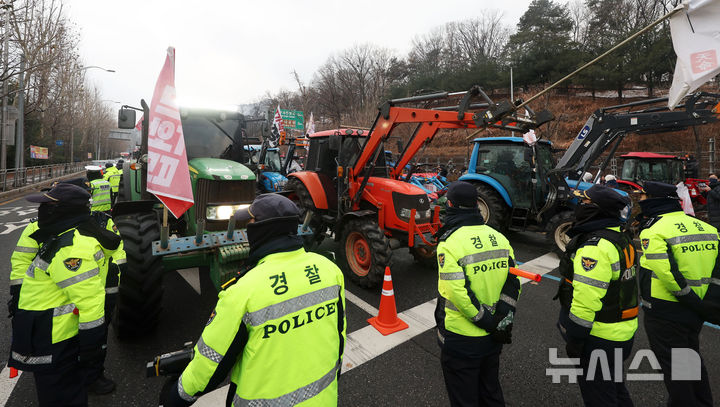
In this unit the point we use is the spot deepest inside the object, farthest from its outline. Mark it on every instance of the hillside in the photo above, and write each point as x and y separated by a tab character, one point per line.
571	112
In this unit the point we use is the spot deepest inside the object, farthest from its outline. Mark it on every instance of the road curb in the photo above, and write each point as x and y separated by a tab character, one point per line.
36	186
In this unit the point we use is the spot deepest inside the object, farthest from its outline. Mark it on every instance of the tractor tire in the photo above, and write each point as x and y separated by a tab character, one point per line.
557	229
425	256
302	199
364	252
139	301
492	208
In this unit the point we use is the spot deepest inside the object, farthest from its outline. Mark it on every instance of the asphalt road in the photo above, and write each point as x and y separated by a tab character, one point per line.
408	374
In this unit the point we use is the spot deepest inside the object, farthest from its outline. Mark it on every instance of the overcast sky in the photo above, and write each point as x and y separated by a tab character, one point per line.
232	52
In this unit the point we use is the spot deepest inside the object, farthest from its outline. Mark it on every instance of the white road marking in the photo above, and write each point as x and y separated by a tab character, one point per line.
367	343
12	226
7	384
540	265
360	303
192	277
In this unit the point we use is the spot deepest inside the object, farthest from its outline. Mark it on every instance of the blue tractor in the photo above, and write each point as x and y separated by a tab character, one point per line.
271	173
510	177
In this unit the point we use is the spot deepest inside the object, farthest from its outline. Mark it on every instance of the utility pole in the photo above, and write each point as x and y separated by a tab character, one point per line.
6	58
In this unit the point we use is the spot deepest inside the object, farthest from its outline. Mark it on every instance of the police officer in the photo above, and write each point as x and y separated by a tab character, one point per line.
58	328
112	175
99	189
280	328
477	301
678	274
598	295
111	267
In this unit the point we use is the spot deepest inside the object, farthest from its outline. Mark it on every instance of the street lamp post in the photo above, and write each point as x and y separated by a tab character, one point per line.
72	113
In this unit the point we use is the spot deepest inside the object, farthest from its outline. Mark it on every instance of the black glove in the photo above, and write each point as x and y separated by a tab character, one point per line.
169	396
503	335
14	298
574	347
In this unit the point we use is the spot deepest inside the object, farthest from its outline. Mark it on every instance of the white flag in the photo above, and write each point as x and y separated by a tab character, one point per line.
311	125
696	39
530	138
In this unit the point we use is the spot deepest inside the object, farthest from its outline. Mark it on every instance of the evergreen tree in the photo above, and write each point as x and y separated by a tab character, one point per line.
542	50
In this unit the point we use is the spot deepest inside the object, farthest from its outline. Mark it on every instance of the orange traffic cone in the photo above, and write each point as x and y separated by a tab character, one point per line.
387	321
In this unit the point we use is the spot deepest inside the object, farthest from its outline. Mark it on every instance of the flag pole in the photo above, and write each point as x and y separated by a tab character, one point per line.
603	55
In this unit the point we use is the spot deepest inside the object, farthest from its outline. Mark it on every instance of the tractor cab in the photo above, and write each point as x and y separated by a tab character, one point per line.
641	166
511	171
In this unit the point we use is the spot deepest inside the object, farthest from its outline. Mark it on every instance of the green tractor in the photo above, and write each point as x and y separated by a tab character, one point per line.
156	241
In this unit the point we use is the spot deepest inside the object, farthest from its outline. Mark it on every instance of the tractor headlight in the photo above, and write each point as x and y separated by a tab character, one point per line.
405	213
222	212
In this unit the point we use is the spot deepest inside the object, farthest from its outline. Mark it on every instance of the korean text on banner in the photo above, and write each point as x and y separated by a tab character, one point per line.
696	39
168	175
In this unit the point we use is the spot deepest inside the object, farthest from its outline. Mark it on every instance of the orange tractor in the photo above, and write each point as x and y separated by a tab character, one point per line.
349	191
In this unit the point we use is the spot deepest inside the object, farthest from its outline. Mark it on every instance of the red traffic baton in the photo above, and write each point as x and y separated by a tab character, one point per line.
13	373
525	274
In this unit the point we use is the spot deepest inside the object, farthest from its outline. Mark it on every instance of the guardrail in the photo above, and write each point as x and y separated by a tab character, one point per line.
12	178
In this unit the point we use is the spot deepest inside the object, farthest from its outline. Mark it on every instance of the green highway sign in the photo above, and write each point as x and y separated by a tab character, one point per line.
293	119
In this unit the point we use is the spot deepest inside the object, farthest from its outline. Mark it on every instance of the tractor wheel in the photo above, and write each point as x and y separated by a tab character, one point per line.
364	252
557	229
302	199
140	293
426	256
492	208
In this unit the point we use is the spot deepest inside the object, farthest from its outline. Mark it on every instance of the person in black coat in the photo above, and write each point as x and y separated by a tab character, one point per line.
713	201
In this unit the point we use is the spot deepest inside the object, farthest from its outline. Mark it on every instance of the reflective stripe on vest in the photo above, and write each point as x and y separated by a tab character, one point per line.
279	310
99	255
37	263
91	324
182	394
452	276
32	360
592	282
296	397
25	249
208	352
488	255
63	309
673	241
78	278
17	281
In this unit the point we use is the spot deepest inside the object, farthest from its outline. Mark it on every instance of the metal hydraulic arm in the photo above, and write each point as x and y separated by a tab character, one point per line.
607	127
431	119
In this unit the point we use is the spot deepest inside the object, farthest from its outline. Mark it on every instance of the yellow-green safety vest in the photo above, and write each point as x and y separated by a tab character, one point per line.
100	195
281	328
595	266
113	176
61	303
473	265
679	254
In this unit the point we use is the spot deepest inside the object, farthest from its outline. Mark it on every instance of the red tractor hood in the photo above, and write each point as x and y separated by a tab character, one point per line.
394	185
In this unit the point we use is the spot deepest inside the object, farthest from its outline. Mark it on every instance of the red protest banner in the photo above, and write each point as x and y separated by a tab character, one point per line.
168	175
